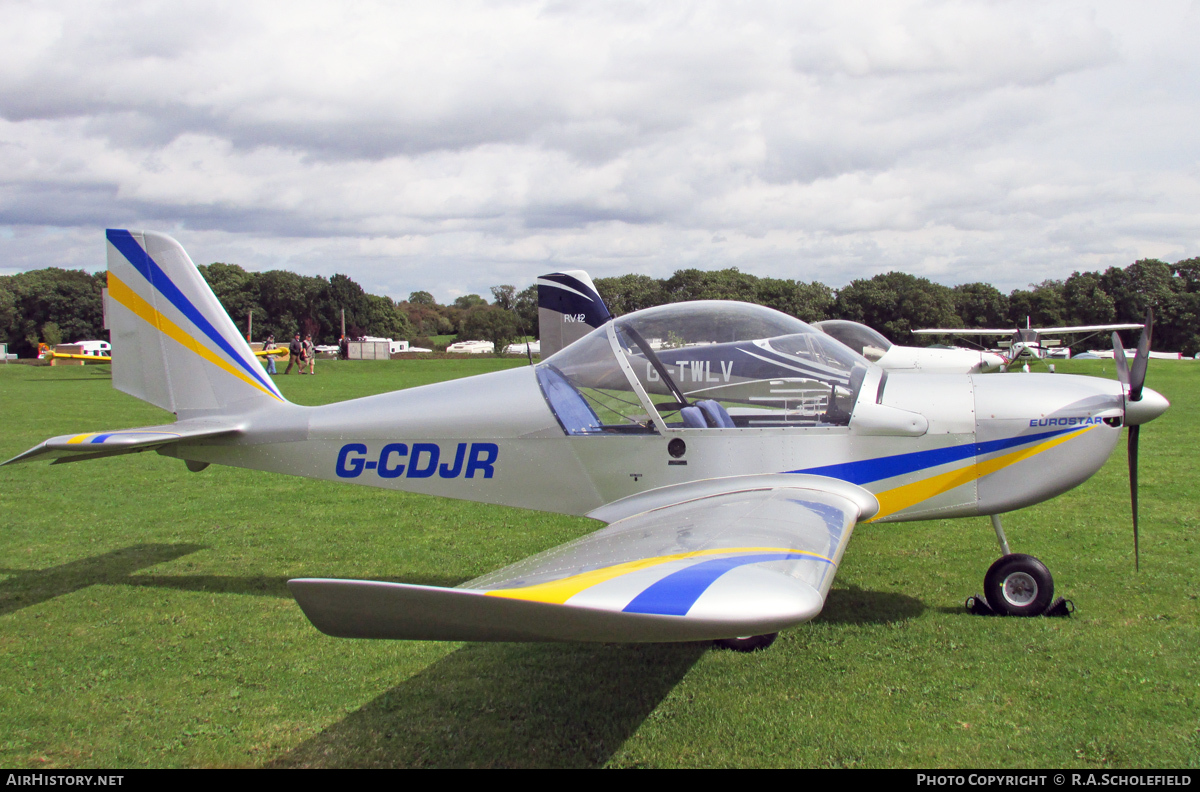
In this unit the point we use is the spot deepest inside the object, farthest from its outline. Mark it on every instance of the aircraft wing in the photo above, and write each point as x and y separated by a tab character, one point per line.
966	331
93	445
752	559
1009	331
93	358
1089	328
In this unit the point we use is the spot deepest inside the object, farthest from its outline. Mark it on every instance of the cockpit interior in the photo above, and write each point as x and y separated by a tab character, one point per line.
702	365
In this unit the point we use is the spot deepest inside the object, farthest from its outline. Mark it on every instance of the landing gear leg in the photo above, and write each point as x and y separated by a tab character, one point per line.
1000	537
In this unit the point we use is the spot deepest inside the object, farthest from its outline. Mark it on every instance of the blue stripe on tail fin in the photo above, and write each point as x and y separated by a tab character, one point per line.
173	343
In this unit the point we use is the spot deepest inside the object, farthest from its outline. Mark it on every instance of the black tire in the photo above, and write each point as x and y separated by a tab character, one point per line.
751	643
1018	585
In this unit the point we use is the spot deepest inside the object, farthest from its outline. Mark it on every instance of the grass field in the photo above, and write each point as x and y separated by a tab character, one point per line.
145	621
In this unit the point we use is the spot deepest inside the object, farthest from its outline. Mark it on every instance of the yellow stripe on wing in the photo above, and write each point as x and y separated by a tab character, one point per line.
119	433
900	498
127	297
557	592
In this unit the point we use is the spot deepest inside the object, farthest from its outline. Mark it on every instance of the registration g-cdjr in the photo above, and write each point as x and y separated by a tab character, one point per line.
422	462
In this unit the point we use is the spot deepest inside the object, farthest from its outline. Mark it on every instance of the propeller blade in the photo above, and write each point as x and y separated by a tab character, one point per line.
1119	356
1137	373
1137	380
1134	431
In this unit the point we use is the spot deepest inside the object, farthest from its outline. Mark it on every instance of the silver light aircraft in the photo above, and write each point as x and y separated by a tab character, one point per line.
729	493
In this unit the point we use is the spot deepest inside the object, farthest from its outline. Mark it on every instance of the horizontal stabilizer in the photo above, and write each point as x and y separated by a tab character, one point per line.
94	445
369	609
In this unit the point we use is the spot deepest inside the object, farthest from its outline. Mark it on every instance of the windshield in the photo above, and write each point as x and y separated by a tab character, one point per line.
862	339
702	365
588	391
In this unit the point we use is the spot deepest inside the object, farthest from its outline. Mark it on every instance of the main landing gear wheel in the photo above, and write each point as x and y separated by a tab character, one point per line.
1018	585
750	643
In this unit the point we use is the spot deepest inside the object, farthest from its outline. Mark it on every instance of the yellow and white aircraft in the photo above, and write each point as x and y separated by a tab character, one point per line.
729	492
91	351
277	352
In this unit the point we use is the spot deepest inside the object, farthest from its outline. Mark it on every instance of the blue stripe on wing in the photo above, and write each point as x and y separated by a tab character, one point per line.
675	594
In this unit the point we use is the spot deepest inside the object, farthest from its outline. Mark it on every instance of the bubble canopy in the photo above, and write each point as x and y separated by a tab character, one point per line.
702	365
872	344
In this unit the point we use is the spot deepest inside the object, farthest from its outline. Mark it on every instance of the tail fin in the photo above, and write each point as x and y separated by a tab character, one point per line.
569	307
173	344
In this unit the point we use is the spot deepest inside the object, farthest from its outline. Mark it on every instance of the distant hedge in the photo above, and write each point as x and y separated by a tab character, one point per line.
64	305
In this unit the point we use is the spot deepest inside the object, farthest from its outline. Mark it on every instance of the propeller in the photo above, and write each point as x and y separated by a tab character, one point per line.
1134	379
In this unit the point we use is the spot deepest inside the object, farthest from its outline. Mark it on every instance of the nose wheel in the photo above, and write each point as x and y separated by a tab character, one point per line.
1017	585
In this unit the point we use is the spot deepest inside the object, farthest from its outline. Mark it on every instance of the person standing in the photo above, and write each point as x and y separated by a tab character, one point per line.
267	347
295	350
310	355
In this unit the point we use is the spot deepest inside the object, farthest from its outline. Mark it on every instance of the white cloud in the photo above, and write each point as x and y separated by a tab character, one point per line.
453	146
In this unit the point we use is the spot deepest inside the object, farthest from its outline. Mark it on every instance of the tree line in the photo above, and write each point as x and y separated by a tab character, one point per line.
896	303
54	305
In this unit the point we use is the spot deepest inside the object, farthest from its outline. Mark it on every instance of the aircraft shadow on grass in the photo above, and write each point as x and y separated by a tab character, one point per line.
853	605
484	705
26	587
507	705
534	705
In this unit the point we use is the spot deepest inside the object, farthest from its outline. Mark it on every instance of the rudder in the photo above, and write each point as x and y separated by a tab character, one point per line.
569	307
174	345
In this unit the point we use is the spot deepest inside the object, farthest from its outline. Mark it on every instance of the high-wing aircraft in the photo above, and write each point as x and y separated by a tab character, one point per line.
1028	343
730	493
279	352
569	307
91	351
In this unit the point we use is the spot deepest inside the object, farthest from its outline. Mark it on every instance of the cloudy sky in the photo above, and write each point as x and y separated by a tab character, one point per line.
452	146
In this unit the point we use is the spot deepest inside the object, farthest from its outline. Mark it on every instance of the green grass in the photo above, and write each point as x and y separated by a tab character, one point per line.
144	621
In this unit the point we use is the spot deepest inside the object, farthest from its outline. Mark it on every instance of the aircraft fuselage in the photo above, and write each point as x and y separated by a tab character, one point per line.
990	444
